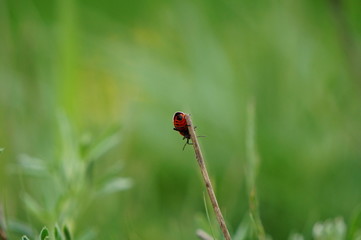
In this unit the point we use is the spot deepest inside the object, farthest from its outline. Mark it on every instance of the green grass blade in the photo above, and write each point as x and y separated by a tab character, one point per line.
66	233
44	234
242	230
57	233
354	230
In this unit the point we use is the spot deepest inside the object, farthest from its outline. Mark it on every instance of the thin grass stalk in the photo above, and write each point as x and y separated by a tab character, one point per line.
252	170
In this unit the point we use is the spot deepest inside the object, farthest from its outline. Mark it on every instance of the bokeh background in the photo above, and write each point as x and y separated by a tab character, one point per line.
88	90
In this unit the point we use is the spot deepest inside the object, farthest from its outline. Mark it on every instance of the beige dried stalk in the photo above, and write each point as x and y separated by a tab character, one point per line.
206	179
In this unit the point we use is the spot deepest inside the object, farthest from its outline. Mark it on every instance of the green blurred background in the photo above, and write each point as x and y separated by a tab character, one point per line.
88	90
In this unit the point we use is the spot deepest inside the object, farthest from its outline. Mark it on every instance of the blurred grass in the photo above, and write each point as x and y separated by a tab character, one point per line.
116	63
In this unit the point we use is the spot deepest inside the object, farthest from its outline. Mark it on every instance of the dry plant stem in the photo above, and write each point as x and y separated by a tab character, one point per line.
206	179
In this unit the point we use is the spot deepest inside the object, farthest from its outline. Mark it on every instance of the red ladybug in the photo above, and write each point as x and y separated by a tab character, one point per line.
180	125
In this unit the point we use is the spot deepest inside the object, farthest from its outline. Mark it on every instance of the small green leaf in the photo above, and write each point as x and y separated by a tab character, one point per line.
296	236
89	234
104	144
20	228
330	229
24	238
32	166
115	185
33	206
44	234
66	233
57	233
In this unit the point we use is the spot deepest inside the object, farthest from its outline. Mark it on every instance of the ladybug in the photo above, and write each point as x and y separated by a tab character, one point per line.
180	125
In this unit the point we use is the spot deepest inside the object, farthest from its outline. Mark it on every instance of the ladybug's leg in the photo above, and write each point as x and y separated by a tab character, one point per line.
176	129
184	146
187	142
188	138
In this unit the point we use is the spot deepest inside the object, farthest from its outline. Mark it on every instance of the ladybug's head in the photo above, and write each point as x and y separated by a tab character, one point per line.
179	116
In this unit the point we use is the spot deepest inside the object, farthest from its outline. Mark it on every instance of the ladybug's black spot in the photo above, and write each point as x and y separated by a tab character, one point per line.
179	117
